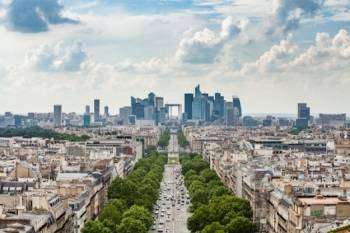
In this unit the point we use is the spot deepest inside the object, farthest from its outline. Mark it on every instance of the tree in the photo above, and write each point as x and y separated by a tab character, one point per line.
112	213
218	191
227	203
190	173
214	227
209	175
95	227
194	185
240	225
139	213
194	178
131	225
147	189
199	219
200	197
123	189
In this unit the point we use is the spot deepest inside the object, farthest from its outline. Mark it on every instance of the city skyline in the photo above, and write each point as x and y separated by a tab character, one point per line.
114	110
272	54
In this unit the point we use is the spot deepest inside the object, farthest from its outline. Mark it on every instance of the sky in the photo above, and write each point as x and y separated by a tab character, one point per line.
271	53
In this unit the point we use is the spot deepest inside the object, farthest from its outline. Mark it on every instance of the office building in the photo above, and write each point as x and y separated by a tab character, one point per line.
249	121
333	120
124	114
229	114
200	106
96	110
149	113
18	120
132	119
146	109
31	115
137	108
106	111
188	105
159	102
219	107
152	99
237	104
303	111
283	122
86	120
303	119
57	115
87	109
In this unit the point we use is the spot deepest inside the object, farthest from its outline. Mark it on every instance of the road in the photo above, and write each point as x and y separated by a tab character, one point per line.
170	212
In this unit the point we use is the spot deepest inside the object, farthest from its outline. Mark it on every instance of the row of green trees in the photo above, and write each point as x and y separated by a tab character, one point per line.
131	199
182	139
164	138
36	131
214	208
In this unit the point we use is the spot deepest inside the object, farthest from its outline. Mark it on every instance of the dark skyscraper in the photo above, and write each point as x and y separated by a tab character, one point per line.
137	108
237	104
303	116
152	99
219	107
86	120
57	115
106	111
18	120
96	110
188	105
87	109
303	111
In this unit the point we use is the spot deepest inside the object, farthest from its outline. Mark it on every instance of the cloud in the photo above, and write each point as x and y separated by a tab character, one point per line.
327	53
202	47
153	65
272	59
57	57
286	15
30	16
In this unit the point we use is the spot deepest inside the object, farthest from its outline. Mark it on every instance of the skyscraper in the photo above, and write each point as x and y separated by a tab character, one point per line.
229	114
200	106
106	111
152	99
302	121
124	114
87	109
219	106
86	120
303	111
18	120
57	115
237	104
149	113
137	108
159	102
96	110
188	105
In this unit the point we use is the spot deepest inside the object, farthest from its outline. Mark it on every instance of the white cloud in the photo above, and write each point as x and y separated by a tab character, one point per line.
57	57
203	47
328	54
272	59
